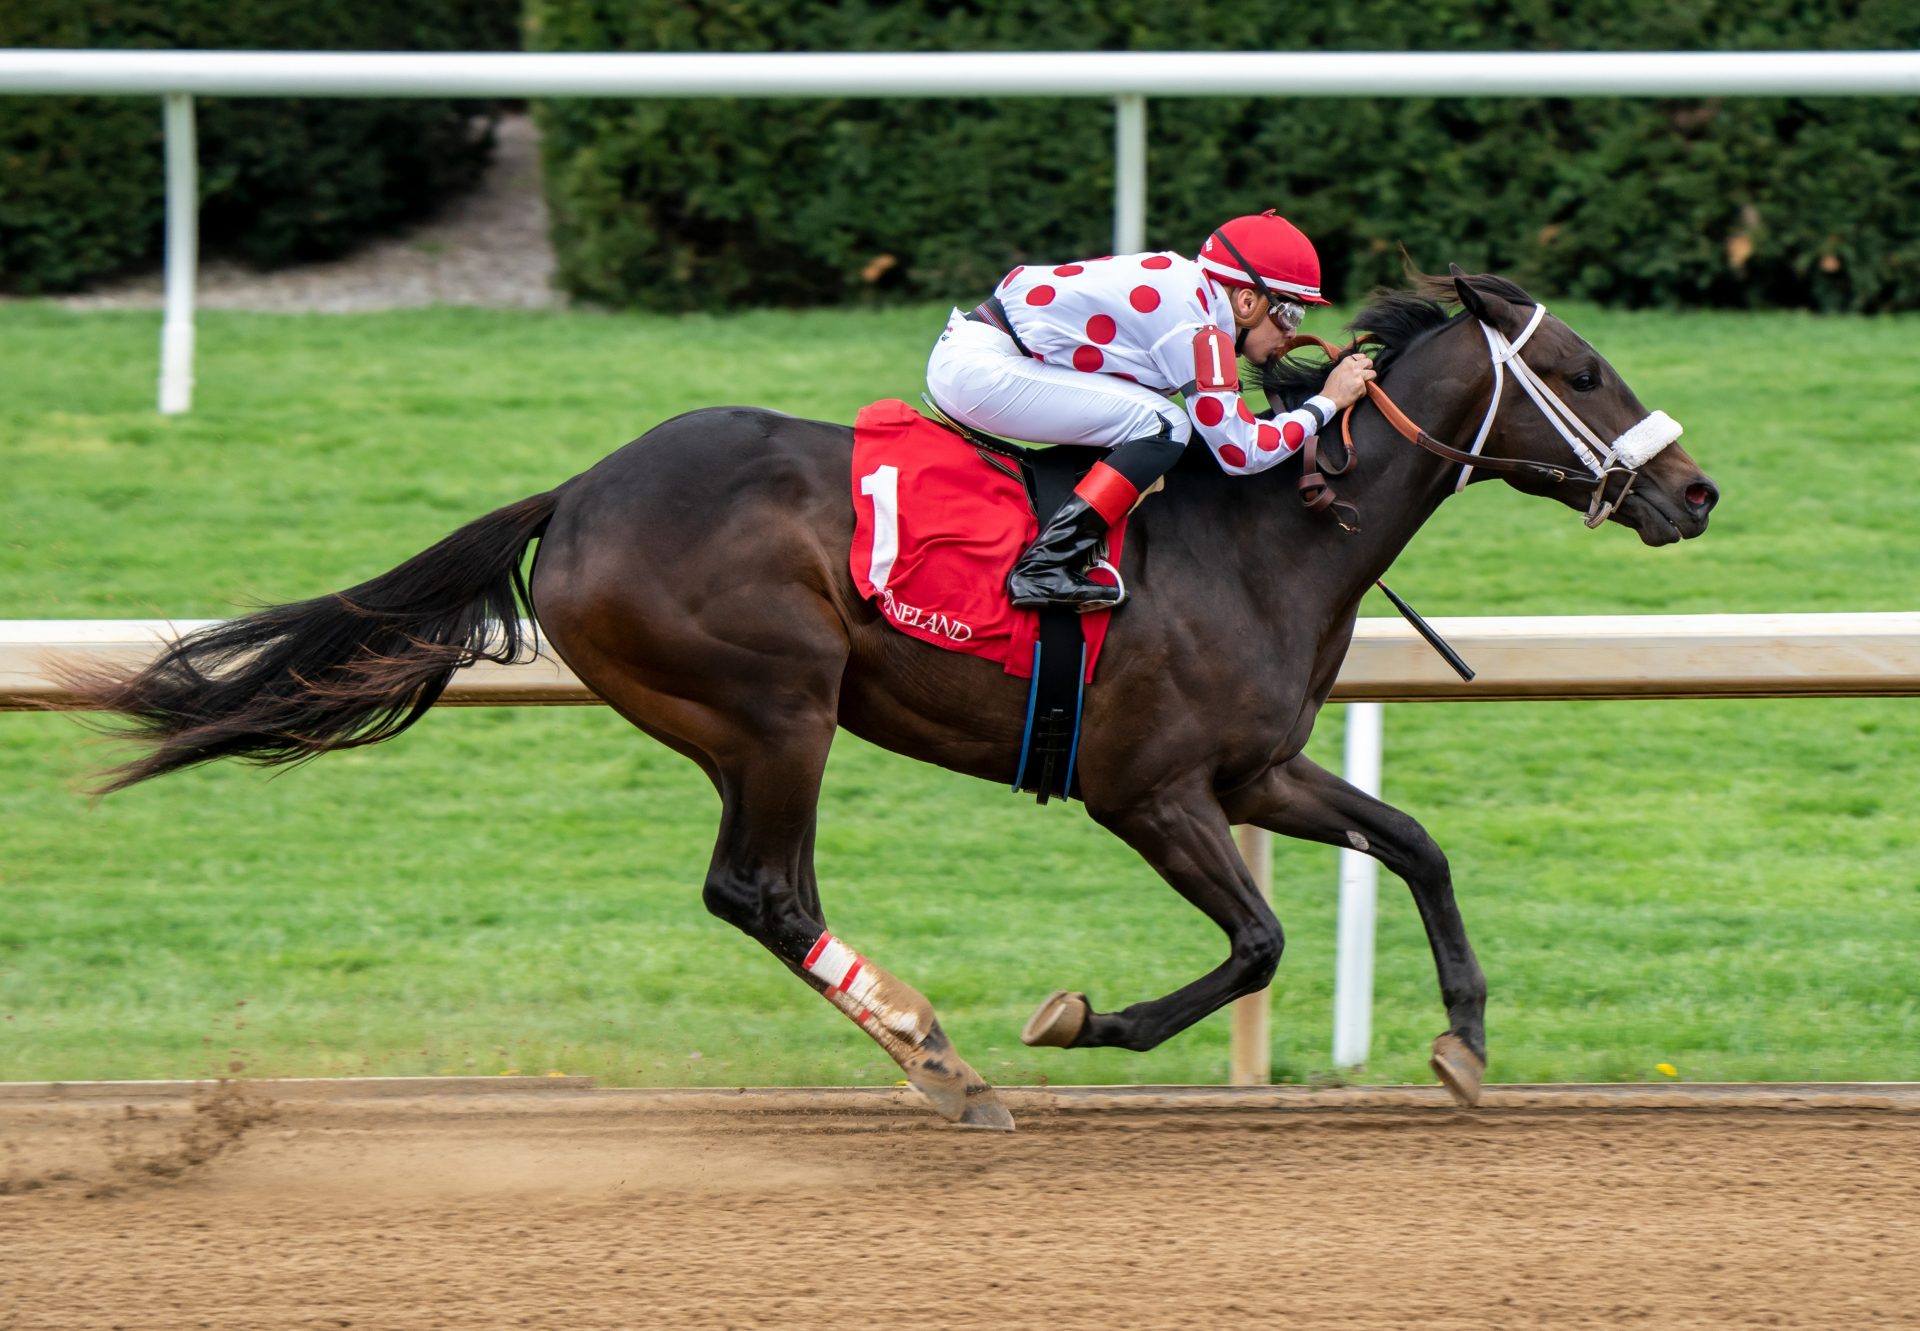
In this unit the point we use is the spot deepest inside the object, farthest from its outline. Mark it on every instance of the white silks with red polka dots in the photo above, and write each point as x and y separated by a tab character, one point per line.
1114	340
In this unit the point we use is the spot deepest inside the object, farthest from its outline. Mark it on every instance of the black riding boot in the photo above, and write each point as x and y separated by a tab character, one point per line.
1053	571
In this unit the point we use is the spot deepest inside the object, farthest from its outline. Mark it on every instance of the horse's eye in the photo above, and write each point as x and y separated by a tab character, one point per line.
1584	382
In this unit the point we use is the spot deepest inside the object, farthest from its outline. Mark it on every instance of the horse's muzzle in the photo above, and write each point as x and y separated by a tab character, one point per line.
1700	497
1662	513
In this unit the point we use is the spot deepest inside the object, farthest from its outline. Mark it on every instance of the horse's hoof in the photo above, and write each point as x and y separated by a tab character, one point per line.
985	1112
1058	1022
945	1082
953	1089
1459	1069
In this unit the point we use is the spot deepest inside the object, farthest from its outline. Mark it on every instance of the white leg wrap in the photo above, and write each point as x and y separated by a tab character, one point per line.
865	992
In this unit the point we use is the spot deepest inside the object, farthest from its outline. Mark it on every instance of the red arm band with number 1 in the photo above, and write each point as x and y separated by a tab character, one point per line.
1215	367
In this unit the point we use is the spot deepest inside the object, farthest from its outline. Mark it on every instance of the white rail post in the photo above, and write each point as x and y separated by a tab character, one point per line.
1129	174
183	244
1251	1061
1353	973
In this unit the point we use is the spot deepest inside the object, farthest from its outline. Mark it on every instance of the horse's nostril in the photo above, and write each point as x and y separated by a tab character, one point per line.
1702	496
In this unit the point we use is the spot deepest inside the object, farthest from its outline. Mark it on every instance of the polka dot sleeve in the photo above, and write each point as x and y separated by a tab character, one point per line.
1243	444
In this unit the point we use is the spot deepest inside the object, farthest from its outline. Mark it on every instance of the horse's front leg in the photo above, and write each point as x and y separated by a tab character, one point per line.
1299	798
1185	836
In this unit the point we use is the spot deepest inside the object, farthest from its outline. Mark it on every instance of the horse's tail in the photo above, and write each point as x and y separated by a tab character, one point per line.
291	682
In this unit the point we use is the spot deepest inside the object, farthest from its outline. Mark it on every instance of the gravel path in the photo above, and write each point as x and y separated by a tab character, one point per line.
488	248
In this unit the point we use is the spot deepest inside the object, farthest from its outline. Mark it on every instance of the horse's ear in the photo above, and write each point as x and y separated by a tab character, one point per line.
1482	305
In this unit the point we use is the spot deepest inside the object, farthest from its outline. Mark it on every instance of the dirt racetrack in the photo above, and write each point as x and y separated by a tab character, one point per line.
570	1207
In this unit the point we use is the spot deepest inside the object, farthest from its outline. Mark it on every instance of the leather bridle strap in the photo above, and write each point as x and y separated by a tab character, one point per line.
1499	351
1317	494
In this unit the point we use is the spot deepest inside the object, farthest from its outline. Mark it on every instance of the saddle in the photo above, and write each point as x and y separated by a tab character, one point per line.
1049	474
933	541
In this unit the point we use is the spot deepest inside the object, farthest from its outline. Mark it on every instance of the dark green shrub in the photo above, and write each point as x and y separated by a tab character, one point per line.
1748	201
81	179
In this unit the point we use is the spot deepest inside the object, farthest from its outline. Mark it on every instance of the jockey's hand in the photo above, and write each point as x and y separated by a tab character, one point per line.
1349	380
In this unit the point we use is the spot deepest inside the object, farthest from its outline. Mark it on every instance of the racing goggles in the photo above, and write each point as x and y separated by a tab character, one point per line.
1286	313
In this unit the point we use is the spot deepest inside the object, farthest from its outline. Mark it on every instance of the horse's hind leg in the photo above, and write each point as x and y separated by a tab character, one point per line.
695	581
1301	799
765	750
761	882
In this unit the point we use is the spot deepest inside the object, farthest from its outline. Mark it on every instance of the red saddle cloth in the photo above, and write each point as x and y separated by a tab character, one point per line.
938	528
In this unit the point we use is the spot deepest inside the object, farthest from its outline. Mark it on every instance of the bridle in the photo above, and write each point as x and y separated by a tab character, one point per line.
1603	461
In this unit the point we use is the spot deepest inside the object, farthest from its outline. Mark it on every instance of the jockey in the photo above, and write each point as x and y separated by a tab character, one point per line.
1094	353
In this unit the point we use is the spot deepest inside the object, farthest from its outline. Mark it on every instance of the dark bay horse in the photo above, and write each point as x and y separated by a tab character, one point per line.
697	580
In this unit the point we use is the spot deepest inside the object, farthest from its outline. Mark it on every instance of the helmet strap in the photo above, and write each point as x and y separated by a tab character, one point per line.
1258	285
1245	267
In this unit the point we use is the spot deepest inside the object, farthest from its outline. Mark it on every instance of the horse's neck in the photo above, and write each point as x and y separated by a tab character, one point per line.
1394	485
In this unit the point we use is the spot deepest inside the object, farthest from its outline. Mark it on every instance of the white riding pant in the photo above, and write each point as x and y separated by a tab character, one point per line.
980	378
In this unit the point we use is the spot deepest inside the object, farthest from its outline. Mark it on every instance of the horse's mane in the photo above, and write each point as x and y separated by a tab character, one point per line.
1388	325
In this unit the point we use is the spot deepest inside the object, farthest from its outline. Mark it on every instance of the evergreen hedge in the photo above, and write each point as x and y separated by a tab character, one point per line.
1731	202
81	178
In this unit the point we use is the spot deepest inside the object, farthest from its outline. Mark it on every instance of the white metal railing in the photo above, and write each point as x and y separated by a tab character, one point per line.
1127	77
183	254
965	73
1562	657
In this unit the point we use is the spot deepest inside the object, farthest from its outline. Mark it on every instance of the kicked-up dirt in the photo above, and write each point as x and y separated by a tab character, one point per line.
249	1208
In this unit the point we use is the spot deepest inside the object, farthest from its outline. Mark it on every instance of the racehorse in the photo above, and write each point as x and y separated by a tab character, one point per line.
698	581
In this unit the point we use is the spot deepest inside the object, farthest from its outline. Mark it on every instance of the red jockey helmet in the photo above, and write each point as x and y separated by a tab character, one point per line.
1278	251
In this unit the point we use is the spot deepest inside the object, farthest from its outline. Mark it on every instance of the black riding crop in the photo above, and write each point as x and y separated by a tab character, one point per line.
1425	630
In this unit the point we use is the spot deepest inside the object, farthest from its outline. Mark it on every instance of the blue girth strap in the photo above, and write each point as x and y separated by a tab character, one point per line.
1051	743
1050	747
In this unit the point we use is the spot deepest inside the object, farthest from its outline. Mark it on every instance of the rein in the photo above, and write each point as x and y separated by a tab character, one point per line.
1637	446
1315	490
